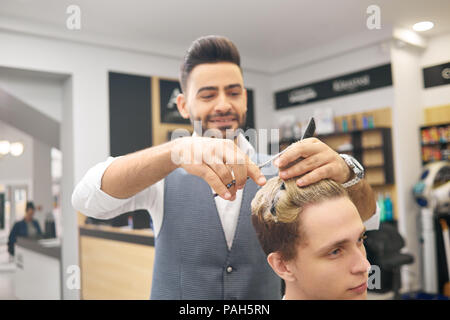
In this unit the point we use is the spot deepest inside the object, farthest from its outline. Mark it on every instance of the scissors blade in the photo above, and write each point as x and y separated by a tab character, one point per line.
309	132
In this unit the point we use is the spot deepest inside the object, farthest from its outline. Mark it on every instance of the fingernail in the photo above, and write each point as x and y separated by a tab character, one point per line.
300	182
276	162
262	180
227	195
283	174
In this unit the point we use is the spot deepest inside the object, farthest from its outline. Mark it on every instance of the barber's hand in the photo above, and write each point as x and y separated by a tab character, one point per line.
320	162
213	160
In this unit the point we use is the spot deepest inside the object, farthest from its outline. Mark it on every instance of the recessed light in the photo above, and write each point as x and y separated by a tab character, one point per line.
4	147
423	26
16	149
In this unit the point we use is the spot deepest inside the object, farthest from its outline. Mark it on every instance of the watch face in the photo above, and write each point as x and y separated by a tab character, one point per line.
359	167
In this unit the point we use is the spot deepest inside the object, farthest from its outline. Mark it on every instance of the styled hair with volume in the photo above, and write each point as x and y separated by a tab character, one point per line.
276	212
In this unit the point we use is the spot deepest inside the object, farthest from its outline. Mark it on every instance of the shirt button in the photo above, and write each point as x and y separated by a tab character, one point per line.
229	269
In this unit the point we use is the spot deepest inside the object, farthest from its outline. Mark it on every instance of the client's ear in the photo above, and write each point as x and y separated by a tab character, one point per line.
281	267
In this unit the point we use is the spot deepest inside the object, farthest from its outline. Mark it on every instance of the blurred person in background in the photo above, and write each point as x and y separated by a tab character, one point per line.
27	227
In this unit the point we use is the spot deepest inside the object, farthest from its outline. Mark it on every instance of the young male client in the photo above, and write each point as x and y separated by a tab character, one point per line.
313	237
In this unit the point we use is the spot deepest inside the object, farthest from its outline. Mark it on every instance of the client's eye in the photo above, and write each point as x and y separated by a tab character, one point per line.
335	252
362	238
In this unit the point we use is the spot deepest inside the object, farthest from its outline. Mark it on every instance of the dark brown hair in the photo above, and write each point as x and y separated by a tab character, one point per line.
208	49
276	212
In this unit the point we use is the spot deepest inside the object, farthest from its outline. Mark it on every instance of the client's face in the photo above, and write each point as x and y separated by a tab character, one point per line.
331	263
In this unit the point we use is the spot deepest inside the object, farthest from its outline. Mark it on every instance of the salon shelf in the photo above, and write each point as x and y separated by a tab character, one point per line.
436	150
381	147
431	144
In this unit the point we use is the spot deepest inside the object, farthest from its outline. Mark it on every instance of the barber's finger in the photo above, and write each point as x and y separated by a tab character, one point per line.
305	165
238	166
255	173
240	174
235	159
316	175
210	176
223	171
300	149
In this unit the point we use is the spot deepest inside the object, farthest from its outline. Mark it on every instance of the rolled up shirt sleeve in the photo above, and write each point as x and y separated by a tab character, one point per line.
373	223
91	201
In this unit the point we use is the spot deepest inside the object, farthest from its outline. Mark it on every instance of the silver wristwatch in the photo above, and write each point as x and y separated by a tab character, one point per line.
356	167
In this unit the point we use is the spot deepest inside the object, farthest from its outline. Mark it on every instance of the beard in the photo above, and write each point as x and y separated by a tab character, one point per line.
224	131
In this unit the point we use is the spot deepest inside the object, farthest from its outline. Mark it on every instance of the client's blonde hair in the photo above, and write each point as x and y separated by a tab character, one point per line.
276	210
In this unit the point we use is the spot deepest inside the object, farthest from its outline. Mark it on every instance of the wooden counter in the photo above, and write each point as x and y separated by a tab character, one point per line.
115	263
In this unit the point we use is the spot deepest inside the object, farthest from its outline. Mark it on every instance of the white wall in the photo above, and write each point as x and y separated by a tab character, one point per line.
42	180
69	254
407	117
41	91
437	52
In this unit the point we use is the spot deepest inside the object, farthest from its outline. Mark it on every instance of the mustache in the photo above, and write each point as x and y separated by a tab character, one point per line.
233	114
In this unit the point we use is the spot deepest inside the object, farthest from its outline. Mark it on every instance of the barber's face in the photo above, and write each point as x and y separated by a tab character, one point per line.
216	96
332	262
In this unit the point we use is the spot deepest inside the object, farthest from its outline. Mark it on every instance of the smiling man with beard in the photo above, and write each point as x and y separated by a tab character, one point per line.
206	247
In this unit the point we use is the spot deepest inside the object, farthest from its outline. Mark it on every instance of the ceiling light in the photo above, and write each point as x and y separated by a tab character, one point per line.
4	147
16	149
423	26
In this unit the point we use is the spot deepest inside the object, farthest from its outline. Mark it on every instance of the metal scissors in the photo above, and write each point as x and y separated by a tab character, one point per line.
309	132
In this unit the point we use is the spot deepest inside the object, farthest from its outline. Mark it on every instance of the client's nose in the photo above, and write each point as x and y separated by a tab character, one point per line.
360	263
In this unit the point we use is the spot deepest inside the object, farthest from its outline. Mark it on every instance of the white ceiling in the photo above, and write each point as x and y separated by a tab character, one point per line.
265	30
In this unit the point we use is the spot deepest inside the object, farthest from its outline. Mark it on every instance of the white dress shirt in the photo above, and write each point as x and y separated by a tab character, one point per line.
90	200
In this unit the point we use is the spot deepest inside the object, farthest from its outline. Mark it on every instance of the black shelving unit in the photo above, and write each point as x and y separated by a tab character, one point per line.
358	149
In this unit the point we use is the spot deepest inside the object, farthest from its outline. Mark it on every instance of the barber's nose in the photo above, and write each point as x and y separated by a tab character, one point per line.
223	105
360	262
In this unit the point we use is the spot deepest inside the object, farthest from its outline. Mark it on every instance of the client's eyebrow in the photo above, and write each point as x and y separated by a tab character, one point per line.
338	243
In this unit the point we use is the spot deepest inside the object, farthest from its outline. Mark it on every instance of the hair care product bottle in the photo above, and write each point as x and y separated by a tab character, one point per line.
388	207
365	122
370	122
344	125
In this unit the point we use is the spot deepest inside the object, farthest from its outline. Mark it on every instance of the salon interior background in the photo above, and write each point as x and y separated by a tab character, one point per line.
63	75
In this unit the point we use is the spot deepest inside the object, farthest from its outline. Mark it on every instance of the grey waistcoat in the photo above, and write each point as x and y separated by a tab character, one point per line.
192	260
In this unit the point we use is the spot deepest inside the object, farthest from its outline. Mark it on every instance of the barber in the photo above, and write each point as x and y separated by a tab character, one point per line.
206	247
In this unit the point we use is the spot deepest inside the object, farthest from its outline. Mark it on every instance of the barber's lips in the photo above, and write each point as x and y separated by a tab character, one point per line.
360	289
222	121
